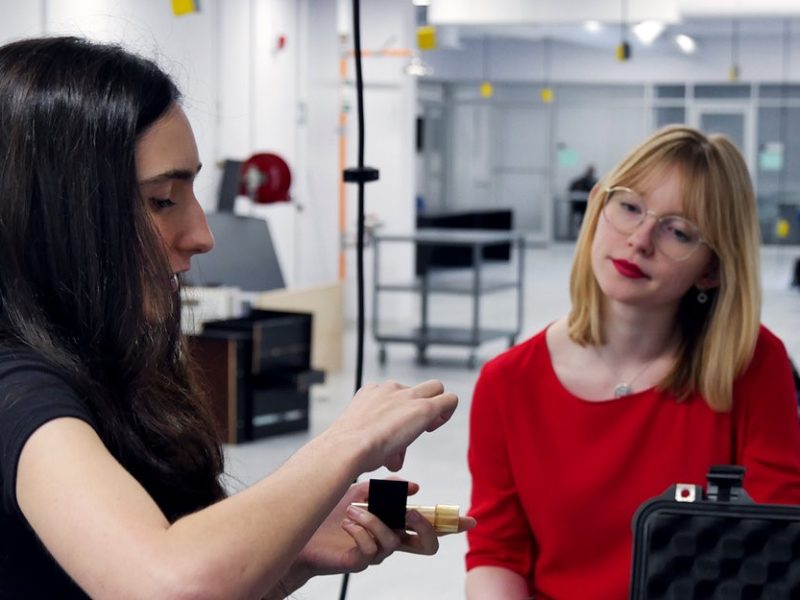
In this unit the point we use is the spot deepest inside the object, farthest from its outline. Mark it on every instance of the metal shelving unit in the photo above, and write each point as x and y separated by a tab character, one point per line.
429	282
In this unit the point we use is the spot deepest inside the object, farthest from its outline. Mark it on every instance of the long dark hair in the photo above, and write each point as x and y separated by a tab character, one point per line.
81	265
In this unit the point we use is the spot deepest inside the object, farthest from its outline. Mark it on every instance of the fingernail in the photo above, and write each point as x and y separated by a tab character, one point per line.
347	523
355	511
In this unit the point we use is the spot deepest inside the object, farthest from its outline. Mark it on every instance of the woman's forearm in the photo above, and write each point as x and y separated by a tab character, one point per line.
497	583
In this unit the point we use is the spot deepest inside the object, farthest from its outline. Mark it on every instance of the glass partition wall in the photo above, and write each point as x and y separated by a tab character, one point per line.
511	150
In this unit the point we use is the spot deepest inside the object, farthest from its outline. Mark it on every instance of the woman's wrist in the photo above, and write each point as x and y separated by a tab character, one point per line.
351	448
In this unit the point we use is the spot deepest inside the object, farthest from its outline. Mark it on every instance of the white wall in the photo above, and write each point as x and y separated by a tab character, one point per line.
390	109
241	93
186	47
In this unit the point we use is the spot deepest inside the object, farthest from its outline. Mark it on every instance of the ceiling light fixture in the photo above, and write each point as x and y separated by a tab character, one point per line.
421	2
486	89
593	26
623	49
685	43
417	68
733	70
648	31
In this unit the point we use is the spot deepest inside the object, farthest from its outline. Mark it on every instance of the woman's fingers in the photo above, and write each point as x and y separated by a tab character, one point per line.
392	416
395	462
384	540
464	524
445	407
424	539
428	389
365	544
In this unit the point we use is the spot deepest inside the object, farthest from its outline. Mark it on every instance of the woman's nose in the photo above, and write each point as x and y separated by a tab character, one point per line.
197	237
641	238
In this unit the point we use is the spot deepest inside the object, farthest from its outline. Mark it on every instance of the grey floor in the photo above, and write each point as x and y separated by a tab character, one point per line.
437	461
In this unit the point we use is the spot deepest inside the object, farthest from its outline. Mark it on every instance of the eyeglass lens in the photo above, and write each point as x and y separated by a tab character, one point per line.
674	236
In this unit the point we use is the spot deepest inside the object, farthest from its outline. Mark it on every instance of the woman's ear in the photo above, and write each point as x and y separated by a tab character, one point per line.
595	191
710	277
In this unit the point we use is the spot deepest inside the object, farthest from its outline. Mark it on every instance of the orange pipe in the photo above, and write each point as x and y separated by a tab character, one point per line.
342	187
389	52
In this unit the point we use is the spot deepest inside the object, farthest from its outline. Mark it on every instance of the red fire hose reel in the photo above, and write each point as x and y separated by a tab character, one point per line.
265	178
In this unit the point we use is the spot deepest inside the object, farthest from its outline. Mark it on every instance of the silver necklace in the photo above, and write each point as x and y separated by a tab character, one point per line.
624	388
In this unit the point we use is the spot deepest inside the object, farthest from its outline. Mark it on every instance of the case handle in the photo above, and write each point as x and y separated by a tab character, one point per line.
725	484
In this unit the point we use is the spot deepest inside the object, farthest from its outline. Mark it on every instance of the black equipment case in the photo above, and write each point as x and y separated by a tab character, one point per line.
692	544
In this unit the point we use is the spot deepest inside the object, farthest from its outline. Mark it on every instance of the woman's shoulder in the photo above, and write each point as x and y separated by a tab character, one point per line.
768	347
518	358
768	360
767	339
21	359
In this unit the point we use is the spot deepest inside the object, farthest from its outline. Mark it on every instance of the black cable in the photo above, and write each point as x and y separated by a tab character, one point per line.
360	175
360	210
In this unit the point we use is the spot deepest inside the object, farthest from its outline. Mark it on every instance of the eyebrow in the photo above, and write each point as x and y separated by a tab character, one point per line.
180	174
681	213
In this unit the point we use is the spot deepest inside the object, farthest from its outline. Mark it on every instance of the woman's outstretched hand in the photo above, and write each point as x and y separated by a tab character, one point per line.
383	419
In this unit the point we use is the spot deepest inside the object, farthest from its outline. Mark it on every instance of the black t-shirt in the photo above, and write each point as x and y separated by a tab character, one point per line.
31	394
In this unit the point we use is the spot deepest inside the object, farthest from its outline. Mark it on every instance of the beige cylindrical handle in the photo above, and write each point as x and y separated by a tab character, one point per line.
443	517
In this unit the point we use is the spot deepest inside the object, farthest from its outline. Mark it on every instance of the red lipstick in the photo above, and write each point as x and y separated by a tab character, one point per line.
628	269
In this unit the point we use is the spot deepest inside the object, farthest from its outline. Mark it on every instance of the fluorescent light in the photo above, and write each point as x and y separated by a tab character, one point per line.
417	68
593	26
648	31
421	2
685	43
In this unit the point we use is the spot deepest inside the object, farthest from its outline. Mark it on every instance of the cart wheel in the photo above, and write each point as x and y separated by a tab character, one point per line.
471	361
382	356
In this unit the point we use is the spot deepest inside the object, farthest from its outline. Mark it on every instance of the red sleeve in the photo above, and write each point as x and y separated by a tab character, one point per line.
767	425
502	537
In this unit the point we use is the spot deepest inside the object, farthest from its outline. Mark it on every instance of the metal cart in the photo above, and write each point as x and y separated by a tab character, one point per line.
473	335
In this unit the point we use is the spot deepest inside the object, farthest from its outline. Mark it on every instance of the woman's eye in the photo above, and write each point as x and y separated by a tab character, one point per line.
160	203
630	207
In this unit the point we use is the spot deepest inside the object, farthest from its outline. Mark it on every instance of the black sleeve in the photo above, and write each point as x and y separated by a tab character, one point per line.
31	394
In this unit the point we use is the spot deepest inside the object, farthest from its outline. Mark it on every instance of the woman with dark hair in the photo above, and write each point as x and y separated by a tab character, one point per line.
109	468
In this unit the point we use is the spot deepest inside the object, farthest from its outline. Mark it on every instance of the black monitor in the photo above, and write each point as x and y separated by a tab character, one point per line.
229	185
243	255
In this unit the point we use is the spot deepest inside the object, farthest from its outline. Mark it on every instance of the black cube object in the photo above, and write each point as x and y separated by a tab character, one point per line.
387	501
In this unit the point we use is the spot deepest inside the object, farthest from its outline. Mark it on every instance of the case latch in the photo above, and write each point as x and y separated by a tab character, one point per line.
725	484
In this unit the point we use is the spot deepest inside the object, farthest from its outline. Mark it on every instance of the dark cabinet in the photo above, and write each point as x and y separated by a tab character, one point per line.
257	372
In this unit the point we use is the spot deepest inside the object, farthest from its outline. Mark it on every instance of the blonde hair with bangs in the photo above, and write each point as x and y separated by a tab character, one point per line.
717	339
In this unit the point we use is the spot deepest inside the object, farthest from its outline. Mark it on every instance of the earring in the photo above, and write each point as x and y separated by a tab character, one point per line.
702	297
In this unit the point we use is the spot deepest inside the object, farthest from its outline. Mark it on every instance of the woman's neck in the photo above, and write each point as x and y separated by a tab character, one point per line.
634	331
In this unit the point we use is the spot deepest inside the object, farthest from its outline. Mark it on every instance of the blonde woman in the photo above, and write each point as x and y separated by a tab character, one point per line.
660	370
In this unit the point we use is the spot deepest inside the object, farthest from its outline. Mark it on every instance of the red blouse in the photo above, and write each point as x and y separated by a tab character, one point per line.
556	479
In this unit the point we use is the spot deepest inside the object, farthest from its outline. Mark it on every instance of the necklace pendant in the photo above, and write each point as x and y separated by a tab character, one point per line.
622	389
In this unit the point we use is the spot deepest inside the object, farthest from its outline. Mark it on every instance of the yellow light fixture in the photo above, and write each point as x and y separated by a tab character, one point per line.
546	93
426	37
487	89
184	7
782	228
623	50
733	69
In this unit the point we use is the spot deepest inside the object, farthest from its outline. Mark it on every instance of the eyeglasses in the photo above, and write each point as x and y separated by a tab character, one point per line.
674	236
